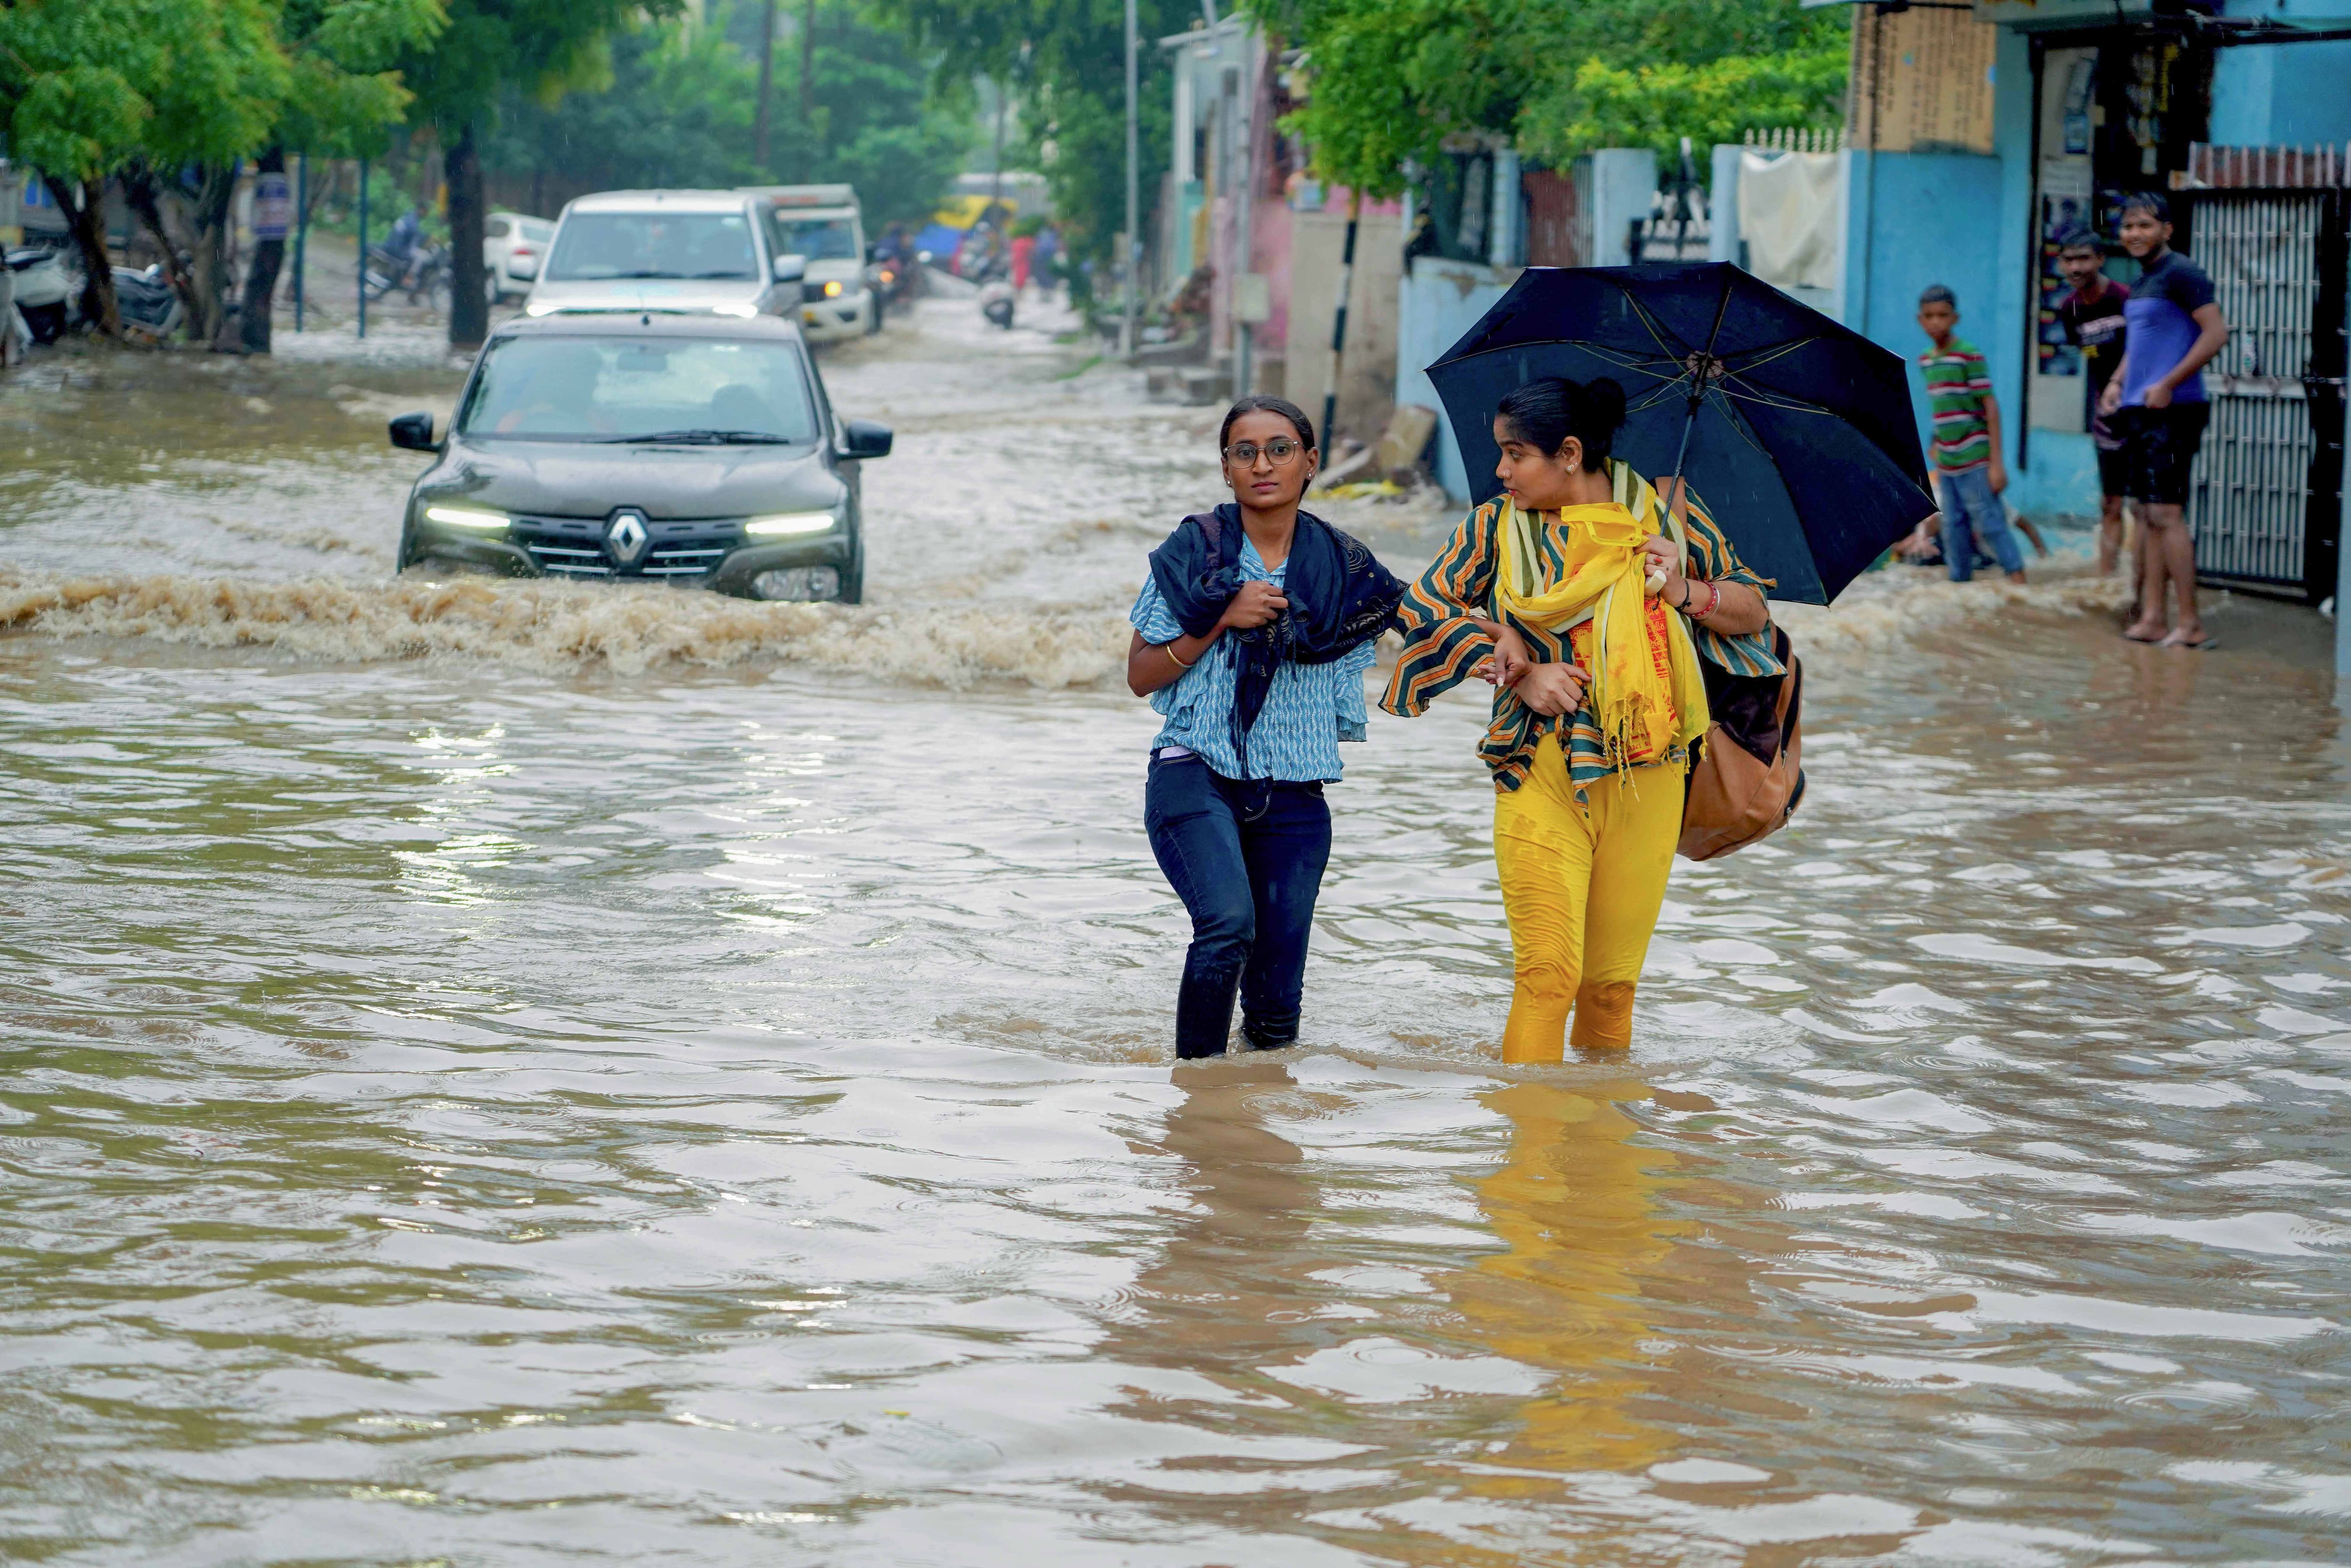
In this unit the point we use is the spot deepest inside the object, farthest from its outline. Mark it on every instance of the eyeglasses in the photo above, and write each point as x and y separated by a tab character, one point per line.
1282	451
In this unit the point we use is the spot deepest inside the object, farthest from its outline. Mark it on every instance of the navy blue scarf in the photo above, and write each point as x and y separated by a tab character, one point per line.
1341	597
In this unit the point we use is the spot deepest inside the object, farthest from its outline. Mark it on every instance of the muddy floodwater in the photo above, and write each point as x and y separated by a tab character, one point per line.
531	1074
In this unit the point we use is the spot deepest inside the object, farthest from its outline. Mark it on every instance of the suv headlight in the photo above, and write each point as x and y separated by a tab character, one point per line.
466	517
776	522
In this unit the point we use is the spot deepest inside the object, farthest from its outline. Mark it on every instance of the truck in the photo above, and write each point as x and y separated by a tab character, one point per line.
824	226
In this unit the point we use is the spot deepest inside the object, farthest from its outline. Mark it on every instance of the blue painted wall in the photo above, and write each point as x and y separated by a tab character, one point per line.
2284	94
1916	218
1438	301
1962	220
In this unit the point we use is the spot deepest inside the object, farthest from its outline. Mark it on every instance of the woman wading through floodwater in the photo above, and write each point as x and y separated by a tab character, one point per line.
1589	609
1251	637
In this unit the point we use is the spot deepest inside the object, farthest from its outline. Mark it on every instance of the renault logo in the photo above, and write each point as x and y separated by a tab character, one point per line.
626	538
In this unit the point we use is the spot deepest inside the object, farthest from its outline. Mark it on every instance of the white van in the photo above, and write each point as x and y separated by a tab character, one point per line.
822	225
690	251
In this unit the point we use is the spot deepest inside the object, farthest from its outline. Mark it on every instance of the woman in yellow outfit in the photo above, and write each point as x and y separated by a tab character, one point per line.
1589	605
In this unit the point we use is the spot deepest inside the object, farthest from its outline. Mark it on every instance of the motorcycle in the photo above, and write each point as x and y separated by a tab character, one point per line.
996	301
44	292
424	277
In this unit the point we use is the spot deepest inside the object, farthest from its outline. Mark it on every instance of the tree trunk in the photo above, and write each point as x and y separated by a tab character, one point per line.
85	210
767	88
144	198
469	305
807	61
213	273
261	276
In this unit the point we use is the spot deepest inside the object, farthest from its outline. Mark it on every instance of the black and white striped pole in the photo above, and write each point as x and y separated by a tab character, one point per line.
1339	328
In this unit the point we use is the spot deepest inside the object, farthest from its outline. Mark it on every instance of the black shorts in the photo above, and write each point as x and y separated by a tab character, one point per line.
2159	450
2114	472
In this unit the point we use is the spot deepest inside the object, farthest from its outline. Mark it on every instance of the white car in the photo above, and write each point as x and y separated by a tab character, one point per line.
822	225
513	248
691	252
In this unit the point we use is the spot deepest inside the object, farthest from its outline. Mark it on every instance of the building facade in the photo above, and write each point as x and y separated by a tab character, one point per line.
1977	135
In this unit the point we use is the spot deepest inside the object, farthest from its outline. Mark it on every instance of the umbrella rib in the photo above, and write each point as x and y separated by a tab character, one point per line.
1780	351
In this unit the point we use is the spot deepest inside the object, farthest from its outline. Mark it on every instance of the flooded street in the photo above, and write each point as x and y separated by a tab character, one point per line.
517	1073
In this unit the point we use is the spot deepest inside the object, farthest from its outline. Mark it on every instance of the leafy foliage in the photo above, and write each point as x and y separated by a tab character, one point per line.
1066	59
88	86
1654	105
1394	80
682	99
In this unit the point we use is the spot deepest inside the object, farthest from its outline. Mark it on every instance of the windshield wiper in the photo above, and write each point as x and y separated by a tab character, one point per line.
699	438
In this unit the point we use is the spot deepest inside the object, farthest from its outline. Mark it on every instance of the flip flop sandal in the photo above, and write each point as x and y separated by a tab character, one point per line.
2205	646
2150	641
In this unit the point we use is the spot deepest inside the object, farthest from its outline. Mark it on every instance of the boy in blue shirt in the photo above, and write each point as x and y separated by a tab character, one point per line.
2156	401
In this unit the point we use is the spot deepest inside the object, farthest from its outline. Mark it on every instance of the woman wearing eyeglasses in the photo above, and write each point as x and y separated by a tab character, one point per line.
1251	637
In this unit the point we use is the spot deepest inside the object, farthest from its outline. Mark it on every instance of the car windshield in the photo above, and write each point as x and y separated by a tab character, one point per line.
818	239
614	389
600	245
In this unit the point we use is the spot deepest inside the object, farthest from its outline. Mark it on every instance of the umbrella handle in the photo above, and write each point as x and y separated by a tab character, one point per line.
1703	367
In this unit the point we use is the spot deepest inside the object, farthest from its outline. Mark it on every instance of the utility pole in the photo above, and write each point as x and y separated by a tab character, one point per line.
767	88
1339	328
1245	199
363	256
996	159
808	60
301	231
1134	192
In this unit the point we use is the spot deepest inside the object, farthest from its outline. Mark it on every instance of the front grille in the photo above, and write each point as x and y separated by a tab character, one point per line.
812	293
674	549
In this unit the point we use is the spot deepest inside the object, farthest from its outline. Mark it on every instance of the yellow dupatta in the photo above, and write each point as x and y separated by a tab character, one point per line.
1648	698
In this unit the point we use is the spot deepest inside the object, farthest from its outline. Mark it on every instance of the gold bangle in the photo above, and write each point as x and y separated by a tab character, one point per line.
1181	664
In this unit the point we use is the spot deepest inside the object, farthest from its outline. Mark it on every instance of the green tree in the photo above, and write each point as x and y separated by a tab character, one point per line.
93	89
551	48
1645	73
1066	59
1394	80
682	108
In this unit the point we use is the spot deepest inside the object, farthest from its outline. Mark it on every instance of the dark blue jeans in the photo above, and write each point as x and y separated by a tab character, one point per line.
1246	859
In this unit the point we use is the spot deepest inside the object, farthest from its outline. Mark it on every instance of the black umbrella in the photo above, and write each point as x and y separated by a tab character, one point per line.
1795	432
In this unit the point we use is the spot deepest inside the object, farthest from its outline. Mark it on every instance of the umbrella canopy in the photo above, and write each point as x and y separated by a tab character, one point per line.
1802	445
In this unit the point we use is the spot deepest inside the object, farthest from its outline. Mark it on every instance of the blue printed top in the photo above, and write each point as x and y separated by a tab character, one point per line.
1308	710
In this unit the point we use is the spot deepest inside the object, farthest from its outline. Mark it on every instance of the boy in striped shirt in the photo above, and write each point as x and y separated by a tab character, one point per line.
1968	475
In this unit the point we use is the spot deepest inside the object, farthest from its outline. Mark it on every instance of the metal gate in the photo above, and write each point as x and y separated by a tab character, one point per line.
2265	503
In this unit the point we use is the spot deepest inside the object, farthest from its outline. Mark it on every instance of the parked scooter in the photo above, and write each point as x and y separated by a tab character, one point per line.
147	303
44	292
996	301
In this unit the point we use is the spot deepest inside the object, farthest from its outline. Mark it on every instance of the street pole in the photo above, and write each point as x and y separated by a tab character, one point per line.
1339	328
1134	192
301	230
2343	605
1244	194
363	173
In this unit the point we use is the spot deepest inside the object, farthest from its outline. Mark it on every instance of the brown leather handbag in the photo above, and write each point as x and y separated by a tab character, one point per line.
1747	774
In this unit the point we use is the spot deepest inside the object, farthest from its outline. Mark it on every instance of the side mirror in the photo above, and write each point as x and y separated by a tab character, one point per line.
791	269
863	438
414	432
522	264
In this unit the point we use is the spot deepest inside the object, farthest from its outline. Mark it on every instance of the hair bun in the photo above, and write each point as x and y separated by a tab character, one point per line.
1606	404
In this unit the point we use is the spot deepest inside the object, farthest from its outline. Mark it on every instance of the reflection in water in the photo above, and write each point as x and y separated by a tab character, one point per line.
1575	1202
1231	1274
459	1111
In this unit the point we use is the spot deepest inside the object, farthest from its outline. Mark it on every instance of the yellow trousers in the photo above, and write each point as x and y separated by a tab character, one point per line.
1582	884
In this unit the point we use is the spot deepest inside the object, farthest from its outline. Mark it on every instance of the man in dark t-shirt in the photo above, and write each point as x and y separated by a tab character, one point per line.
2093	318
2156	401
